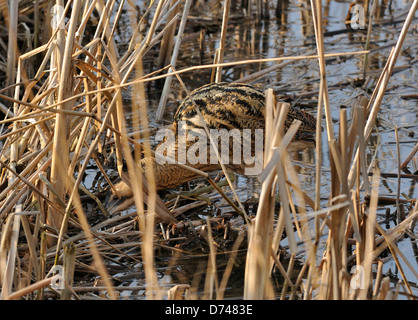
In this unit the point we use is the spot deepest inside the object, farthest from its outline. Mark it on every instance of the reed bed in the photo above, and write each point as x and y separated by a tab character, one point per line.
64	105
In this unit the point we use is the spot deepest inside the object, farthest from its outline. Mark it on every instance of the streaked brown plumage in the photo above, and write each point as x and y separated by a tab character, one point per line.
222	106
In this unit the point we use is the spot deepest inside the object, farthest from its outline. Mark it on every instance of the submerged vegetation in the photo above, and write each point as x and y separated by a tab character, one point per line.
77	97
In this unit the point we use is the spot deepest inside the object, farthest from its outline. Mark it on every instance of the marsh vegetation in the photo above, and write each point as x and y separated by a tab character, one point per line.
84	86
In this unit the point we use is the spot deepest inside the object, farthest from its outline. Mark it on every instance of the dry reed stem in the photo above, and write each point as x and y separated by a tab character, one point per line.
368	37
378	93
211	280
281	173
282	270
289	272
303	220
96	255
370	238
42	258
409	157
394	253
219	53
378	279
9	269
147	239
330	281
344	148
398	189
32	243
318	27
384	289
25	172
12	50
258	268
178	292
4	245
229	267
254	76
33	287
318	148
362	147
259	246
299	280
167	84
60	146
30	185
69	264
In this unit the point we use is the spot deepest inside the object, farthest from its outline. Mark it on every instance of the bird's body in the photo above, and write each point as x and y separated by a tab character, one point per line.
235	106
227	106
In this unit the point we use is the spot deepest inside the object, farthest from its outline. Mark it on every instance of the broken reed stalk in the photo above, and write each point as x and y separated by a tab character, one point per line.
211	280
33	287
409	157
12	53
146	222
360	112
32	245
229	266
69	264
